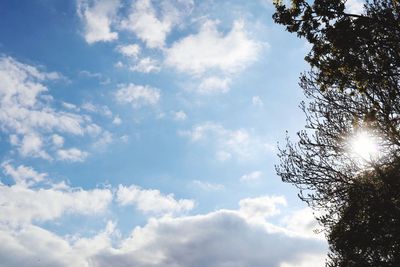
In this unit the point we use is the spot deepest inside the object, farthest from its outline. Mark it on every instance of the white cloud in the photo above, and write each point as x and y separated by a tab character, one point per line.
117	120
152	201
89	107
138	95
37	247
303	221
307	260
70	106
119	64
223	155
200	131
202	241
72	155
251	177
103	110
24	202
105	139
240	143
32	145
124	138
98	76
179	115
214	84
22	205
355	6
57	140
23	175
145	24
26	113
97	17
152	28
257	101
261	206
146	65
132	50
164	241
207	186
211	50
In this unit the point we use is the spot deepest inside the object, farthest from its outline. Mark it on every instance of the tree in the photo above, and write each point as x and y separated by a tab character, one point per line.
349	50
359	197
367	232
353	88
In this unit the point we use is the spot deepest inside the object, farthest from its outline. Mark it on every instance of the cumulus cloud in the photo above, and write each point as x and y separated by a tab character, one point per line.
32	145
221	238
179	242
26	111
153	27
33	246
167	241
151	200
303	221
138	95
261	206
210	49
97	17
229	143
21	204
26	201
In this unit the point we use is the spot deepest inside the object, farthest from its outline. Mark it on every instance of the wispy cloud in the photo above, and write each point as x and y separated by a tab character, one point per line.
207	186
251	177
239	143
138	95
72	155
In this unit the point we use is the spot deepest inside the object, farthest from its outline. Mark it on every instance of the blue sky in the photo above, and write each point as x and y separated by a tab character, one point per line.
144	133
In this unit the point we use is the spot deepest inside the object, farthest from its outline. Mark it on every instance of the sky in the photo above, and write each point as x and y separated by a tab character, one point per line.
145	133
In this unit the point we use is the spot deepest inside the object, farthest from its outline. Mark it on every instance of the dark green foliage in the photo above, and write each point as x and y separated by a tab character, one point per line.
354	86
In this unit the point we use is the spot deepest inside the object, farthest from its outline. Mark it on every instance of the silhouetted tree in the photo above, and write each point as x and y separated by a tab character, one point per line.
348	50
333	179
367	232
353	87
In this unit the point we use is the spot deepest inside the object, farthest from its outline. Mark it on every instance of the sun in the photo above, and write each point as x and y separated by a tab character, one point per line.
364	146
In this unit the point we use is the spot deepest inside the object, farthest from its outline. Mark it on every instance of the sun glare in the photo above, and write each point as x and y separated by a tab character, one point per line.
364	146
